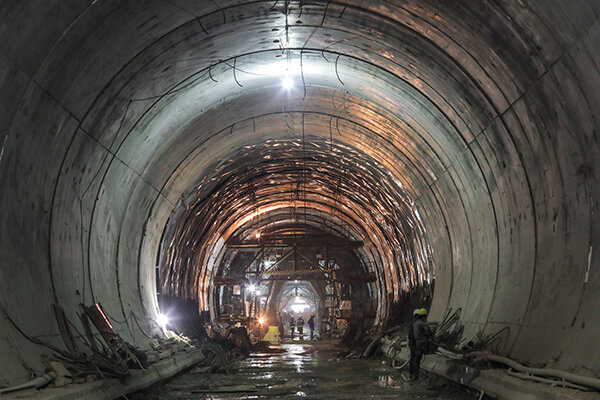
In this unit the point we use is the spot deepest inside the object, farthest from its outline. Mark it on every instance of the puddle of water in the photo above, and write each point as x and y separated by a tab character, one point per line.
388	381
305	372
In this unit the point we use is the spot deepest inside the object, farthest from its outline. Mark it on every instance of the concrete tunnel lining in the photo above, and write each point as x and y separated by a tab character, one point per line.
484	113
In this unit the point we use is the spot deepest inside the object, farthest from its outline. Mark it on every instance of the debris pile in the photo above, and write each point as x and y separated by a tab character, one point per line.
448	335
369	345
96	351
87	355
217	359
478	353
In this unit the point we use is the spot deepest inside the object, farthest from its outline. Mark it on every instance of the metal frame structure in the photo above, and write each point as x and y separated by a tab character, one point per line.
291	256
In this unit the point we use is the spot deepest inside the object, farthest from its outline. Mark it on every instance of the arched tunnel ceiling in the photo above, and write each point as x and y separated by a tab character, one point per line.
474	122
304	180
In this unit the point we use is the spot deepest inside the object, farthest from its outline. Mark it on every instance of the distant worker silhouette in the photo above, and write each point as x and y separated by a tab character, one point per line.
292	326
311	325
300	327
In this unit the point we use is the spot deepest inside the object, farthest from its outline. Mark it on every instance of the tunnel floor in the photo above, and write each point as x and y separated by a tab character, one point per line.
310	371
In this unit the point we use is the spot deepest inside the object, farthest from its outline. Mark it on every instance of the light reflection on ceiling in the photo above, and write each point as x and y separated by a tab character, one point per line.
298	180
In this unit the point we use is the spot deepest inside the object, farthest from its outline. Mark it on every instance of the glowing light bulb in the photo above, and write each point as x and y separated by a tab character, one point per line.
162	320
261	320
252	288
287	83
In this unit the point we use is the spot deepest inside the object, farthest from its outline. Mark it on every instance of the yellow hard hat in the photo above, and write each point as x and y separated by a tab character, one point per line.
422	311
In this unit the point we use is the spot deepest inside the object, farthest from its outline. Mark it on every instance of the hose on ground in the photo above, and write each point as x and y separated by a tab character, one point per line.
555	373
552	382
37	383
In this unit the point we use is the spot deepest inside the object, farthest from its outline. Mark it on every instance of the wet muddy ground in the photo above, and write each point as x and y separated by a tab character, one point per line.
309	371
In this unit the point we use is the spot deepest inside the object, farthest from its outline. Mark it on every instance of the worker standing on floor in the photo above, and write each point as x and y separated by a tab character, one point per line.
301	327
419	335
311	325
292	326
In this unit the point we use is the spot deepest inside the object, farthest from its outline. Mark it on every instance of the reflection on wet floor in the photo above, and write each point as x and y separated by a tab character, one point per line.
310	371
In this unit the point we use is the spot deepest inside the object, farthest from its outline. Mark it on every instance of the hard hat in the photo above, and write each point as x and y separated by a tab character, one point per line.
416	312
422	311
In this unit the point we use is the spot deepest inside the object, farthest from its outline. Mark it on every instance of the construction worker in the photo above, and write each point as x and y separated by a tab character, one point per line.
300	327
292	326
419	335
311	325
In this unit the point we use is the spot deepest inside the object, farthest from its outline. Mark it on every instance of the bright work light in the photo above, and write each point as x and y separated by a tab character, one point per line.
287	83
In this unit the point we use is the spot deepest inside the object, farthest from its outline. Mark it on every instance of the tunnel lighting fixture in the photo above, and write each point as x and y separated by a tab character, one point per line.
257	235
162	321
287	83
252	288
261	320
283	67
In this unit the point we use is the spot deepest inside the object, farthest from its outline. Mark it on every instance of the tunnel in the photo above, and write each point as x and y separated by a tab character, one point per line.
446	153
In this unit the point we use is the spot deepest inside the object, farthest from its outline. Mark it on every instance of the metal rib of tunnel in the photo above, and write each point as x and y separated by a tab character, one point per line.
282	187
457	142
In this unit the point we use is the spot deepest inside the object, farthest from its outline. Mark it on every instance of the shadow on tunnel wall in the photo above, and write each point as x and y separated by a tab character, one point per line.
401	312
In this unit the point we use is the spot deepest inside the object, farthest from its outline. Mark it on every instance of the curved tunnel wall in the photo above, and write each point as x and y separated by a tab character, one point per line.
333	185
485	112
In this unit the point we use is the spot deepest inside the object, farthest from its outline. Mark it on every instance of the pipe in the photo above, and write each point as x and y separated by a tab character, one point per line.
577	379
552	382
371	345
37	383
